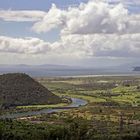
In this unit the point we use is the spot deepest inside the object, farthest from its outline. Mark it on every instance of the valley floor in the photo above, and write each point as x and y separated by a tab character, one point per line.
112	112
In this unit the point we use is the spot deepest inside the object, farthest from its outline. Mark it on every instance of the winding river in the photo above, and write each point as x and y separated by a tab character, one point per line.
76	102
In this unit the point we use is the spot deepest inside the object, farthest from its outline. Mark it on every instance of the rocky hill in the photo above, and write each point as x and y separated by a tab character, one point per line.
137	69
20	89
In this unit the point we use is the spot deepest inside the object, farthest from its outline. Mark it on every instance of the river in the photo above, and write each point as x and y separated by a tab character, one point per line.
76	102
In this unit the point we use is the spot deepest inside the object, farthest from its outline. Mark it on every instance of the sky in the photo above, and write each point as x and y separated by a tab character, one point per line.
94	33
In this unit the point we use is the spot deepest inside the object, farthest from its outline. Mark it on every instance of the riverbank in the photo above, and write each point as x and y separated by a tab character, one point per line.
75	104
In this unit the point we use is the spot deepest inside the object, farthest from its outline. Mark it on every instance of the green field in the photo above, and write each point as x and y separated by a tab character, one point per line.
112	112
42	106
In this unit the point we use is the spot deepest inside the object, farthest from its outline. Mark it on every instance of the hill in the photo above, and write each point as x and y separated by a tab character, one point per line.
137	69
20	89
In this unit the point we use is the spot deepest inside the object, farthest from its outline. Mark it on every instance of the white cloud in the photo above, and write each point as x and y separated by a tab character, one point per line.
90	18
76	46
53	19
103	45
126	3
95	16
21	15
92	30
23	45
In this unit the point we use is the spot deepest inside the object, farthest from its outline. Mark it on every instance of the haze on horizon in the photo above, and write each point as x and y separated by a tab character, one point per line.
74	32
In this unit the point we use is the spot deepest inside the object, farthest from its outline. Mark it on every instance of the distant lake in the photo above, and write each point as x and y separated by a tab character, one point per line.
70	72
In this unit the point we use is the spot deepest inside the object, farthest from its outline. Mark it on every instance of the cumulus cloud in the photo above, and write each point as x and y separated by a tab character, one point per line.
95	16
103	45
53	19
23	45
77	46
93	29
90	18
21	15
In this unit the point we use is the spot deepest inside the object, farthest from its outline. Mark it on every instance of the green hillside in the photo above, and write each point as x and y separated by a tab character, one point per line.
20	89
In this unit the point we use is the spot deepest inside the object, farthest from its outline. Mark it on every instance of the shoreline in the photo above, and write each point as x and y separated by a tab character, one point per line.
76	103
91	75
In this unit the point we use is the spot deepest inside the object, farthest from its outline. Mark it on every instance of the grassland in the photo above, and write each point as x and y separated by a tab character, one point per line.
113	101
95	89
112	112
42	106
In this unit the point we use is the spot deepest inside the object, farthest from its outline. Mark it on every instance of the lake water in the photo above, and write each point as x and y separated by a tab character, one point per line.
71	72
59	73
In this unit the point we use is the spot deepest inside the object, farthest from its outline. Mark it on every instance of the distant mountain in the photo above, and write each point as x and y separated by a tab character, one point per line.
33	70
46	66
20	89
51	70
137	69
